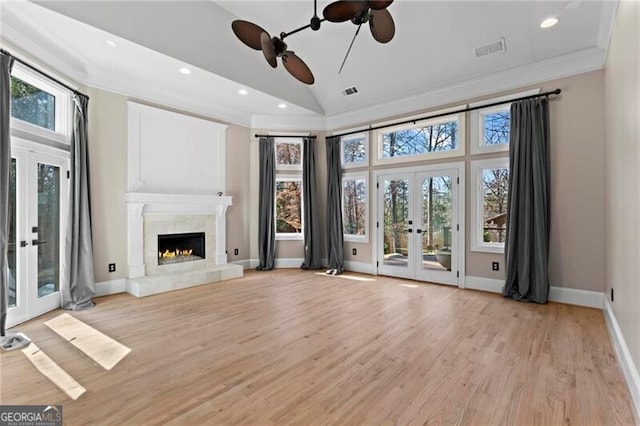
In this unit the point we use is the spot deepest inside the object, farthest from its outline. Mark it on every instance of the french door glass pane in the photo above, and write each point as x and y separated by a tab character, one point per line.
436	222
12	234
48	229
396	222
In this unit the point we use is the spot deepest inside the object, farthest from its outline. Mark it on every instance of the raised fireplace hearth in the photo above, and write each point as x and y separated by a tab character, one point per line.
179	248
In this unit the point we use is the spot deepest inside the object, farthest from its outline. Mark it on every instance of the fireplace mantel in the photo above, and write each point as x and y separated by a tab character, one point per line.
140	204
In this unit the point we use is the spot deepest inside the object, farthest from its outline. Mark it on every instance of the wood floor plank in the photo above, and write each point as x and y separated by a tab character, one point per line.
297	347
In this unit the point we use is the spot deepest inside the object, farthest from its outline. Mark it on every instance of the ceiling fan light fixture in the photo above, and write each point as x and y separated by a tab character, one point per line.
357	11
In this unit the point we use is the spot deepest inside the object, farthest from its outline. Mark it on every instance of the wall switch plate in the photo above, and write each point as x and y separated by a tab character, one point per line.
354	251
236	252
112	267
495	266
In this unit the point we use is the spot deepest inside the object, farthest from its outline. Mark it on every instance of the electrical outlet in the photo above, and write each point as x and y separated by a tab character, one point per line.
236	252
495	266
112	267
354	251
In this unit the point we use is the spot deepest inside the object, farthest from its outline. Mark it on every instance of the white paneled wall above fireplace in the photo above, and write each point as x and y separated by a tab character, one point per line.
173	153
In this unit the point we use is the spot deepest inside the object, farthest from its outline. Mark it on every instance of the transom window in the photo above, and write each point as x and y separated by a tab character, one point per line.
39	106
437	138
354	150
490	126
288	153
355	208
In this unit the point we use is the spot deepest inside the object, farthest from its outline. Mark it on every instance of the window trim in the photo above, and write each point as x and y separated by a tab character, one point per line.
289	236
288	167
459	152
353	176
476	119
477	203
62	132
364	163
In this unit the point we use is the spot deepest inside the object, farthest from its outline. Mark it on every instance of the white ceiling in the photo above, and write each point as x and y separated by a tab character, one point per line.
429	62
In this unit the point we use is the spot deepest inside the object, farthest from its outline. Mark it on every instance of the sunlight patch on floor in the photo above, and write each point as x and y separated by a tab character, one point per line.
53	371
97	346
346	277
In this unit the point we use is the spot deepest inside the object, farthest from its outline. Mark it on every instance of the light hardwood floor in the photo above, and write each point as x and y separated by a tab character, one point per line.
297	347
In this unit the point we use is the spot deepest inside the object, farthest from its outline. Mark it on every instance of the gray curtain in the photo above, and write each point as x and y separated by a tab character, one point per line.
528	211
335	239
78	279
266	206
312	256
6	63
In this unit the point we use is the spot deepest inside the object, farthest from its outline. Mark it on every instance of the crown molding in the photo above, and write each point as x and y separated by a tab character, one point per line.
575	63
294	122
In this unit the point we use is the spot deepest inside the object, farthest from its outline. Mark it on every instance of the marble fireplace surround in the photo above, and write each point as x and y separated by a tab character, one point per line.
150	214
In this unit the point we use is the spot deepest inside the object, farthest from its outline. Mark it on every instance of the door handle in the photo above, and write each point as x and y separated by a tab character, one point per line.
24	243
409	230
37	242
418	231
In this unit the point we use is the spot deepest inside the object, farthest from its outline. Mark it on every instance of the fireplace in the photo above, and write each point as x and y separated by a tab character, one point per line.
178	248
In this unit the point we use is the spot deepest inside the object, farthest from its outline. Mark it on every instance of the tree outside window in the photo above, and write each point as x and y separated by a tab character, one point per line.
421	140
495	189
354	207
288	206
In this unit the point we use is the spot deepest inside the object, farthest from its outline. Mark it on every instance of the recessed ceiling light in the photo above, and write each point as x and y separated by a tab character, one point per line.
282	105
111	43
243	91
185	71
549	22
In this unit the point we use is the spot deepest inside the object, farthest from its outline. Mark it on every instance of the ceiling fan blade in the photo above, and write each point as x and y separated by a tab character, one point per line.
297	67
379	4
248	33
349	50
382	26
343	10
268	49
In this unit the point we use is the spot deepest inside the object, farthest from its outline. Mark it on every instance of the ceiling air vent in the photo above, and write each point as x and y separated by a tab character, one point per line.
349	91
491	48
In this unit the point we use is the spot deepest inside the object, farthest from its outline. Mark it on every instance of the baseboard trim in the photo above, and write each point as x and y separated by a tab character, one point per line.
246	263
293	262
629	369
361	267
105	288
570	296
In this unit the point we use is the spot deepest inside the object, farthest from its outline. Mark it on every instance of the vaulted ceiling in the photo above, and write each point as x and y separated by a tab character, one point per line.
430	61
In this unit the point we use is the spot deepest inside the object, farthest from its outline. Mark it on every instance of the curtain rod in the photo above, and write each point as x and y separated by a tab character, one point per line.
284	136
444	114
26	64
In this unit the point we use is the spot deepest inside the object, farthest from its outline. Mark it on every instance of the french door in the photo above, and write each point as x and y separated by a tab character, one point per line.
419	225
38	191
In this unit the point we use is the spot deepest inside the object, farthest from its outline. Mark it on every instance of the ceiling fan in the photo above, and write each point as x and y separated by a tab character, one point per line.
357	11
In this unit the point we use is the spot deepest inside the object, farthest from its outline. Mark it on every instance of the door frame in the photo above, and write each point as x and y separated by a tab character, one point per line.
28	154
460	166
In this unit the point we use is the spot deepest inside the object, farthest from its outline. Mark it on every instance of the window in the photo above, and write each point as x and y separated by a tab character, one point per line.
437	138
288	153
355	208
354	150
288	206
489	192
38	106
490	126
